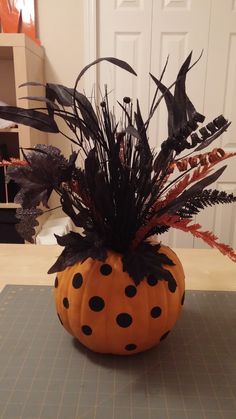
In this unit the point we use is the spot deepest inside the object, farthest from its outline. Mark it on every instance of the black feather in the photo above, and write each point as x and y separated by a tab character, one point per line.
29	117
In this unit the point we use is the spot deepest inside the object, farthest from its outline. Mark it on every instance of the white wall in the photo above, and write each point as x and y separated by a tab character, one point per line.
60	30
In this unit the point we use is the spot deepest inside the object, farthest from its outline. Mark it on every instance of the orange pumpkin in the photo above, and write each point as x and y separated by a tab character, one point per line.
100	305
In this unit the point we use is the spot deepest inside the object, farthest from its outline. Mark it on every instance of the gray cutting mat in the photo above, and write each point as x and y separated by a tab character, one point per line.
45	373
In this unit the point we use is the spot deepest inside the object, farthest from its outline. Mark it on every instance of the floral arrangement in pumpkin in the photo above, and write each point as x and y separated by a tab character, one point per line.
124	192
117	289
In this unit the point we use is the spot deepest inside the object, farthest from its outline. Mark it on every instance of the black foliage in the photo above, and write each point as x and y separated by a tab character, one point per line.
30	117
59	93
77	249
68	209
146	154
159	229
46	171
113	60
120	184
28	222
182	116
201	200
146	260
48	102
189	193
211	132
67	97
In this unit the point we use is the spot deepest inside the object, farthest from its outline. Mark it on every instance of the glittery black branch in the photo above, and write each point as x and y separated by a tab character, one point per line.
27	222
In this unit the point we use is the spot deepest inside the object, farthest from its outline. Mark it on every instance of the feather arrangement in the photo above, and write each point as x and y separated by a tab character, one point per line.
124	192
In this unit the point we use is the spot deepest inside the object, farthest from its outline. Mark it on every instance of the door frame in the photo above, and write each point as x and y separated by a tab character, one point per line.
90	47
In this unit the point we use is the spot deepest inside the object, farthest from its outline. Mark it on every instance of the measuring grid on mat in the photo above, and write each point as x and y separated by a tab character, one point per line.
46	374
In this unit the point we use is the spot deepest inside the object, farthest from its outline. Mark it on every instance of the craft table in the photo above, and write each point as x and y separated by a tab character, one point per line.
47	374
205	269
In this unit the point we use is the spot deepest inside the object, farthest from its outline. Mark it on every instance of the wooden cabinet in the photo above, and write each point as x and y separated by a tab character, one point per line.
21	61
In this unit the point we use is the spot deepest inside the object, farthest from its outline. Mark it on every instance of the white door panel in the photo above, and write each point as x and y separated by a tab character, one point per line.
125	32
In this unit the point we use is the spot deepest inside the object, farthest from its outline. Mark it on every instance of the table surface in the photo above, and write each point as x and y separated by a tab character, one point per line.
205	269
46	374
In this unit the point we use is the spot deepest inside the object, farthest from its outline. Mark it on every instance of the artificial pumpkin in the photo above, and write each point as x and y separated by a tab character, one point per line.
100	305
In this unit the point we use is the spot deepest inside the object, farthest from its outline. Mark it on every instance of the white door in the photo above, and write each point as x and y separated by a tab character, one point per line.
220	98
144	32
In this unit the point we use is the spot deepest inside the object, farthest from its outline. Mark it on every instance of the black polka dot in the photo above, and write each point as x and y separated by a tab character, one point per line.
183	298
130	291
96	303
124	320
86	330
106	269
59	318
56	283
151	280
165	335
131	347
156	312
172	285
66	302
77	280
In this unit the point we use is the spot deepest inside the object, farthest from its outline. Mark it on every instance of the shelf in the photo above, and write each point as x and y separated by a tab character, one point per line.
10	140
21	61
11	40
12	129
9	205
